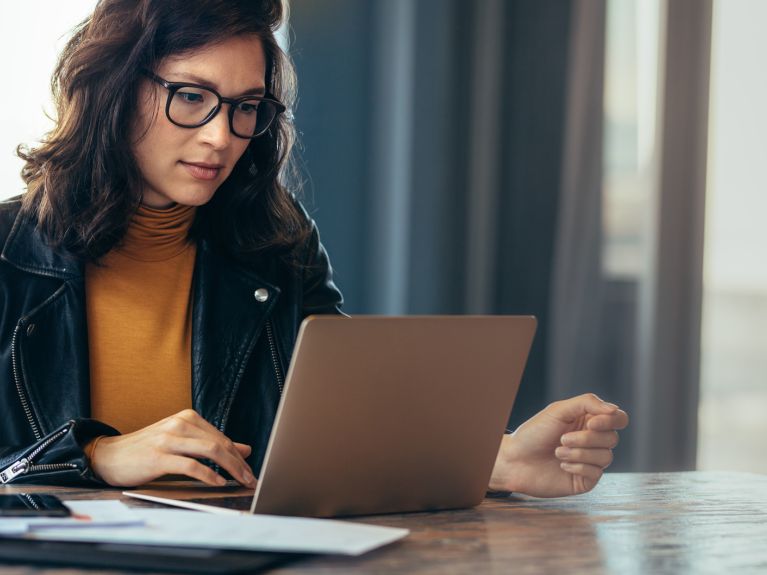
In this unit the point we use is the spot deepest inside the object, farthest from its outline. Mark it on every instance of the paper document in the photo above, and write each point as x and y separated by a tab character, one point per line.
247	532
85	515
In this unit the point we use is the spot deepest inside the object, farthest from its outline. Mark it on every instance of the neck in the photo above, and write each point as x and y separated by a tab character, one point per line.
156	234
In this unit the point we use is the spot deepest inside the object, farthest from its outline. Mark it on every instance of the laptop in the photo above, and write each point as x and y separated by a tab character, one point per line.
386	415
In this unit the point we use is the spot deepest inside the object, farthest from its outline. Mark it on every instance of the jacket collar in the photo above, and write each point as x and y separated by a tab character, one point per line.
27	250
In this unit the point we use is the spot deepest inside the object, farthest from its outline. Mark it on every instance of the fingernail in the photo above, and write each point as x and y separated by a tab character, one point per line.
564	439
220	480
610	405
249	479
566	466
562	451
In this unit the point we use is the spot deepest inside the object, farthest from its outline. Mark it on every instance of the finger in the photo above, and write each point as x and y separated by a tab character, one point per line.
583	469
178	465
599	457
189	423
238	450
217	451
617	420
569	410
590	439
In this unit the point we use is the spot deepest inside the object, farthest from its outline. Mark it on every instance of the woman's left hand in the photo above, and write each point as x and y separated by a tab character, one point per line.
562	450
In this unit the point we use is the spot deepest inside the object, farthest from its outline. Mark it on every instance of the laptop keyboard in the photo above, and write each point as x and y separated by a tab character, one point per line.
239	502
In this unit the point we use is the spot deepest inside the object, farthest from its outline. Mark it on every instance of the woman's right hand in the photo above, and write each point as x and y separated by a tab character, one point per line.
171	446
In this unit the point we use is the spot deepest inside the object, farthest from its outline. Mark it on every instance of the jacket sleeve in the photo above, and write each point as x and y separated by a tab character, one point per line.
320	294
56	459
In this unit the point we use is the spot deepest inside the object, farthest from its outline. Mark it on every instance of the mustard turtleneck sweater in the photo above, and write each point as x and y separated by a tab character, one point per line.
140	322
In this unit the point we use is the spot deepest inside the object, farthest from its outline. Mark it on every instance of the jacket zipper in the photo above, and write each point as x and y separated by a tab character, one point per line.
25	464
277	373
20	384
275	358
30	501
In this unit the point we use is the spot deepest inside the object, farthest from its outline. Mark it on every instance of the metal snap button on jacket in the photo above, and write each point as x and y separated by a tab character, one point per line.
261	295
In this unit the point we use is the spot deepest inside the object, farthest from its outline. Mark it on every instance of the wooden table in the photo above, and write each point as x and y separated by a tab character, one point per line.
697	522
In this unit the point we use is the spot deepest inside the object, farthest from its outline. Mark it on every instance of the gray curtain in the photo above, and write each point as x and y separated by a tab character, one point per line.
670	301
636	341
432	134
578	288
453	152
593	340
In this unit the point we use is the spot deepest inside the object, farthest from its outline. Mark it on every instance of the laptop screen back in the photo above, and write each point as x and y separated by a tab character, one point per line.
392	414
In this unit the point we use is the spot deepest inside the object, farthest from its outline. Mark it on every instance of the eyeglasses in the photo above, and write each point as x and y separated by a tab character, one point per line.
192	106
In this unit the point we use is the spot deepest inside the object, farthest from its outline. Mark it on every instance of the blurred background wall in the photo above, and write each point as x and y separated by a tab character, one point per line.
559	158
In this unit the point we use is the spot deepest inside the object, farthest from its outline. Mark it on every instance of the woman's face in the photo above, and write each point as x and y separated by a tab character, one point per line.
187	165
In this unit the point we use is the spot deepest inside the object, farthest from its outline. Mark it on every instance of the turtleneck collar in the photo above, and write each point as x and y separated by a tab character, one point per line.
158	234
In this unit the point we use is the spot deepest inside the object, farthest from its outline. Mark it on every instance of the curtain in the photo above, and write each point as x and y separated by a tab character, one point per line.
453	153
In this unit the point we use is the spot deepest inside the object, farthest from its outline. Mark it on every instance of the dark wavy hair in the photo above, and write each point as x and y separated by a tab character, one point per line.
83	183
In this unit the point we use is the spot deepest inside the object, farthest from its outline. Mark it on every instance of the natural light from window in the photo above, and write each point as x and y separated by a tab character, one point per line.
630	147
734	339
31	35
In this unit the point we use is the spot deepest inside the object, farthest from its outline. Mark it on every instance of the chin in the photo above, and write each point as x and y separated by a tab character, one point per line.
194	197
198	200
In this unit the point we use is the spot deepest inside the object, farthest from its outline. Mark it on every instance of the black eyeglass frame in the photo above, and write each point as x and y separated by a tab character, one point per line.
174	87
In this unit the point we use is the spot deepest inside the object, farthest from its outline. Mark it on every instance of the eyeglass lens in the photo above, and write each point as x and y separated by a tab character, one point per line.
193	107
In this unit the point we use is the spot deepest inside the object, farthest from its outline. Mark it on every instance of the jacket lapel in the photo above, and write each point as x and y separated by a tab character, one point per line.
231	306
51	343
53	350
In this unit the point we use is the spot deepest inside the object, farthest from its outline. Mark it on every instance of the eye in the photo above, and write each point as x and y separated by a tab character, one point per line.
250	107
191	97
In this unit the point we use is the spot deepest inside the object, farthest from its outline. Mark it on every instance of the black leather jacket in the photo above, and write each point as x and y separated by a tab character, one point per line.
241	347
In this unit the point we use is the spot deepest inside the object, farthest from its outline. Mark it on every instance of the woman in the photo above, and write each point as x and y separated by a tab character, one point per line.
155	273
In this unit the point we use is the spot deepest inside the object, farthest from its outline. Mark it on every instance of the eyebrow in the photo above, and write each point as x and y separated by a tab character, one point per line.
258	91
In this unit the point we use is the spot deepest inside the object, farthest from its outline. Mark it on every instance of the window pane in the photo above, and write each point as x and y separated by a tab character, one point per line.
732	421
631	74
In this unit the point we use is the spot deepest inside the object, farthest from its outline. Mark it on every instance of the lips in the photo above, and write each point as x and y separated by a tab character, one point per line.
203	170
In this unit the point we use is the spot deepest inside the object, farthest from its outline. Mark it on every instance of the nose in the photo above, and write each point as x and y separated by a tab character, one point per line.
216	133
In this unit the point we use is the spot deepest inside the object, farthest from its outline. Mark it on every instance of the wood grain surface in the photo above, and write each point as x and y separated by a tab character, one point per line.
696	522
